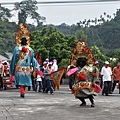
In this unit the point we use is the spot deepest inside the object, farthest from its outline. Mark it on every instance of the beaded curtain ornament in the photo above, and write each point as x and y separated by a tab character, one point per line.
23	32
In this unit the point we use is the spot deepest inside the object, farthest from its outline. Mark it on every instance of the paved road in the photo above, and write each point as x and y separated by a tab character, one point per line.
60	106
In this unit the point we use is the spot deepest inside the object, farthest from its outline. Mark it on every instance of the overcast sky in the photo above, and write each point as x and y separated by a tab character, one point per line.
72	13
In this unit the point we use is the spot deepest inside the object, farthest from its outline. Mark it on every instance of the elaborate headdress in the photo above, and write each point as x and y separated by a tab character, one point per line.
23	32
81	51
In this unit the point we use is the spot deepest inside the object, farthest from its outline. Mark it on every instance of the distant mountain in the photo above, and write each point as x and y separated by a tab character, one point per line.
105	34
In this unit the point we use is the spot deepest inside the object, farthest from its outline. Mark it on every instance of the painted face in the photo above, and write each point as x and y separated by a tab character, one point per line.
23	41
81	62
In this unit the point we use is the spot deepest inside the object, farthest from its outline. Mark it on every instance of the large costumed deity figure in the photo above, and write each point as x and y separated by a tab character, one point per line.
23	62
86	74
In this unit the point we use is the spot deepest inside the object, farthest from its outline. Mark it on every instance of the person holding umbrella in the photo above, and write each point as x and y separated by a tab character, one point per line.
85	86
71	75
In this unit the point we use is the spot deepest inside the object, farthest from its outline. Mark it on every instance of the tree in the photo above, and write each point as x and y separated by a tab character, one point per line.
7	36
49	40
99	56
5	13
81	35
28	9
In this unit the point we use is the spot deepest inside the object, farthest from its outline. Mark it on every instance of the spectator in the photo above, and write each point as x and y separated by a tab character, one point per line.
71	78
116	78
1	75
55	66
106	76
47	60
39	80
48	79
44	83
96	73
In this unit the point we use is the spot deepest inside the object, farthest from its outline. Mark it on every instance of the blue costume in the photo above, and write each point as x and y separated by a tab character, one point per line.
23	73
23	62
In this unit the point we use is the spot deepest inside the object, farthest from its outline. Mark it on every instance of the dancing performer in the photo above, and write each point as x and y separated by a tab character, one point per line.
85	86
23	57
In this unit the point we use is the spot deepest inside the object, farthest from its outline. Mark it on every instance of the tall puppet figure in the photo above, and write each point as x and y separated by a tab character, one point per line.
85	86
23	58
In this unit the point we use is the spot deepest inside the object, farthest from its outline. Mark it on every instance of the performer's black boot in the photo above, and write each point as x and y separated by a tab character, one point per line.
92	101
22	95
83	101
83	104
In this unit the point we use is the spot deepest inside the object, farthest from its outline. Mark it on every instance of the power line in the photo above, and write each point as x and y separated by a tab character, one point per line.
63	2
85	1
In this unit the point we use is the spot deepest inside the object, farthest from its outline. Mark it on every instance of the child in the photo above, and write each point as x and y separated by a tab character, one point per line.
39	80
48	79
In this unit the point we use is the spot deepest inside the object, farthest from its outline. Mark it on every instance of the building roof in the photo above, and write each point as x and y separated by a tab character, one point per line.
6	56
9	55
2	58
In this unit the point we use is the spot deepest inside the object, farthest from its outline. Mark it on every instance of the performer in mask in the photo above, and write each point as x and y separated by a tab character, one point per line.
23	57
85	86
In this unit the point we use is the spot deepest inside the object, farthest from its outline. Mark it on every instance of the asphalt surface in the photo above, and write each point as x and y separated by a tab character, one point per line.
60	106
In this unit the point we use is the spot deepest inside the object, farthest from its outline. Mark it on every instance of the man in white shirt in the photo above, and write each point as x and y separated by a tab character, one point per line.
106	73
55	66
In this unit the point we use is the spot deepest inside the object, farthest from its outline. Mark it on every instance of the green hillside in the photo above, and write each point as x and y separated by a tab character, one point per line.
58	41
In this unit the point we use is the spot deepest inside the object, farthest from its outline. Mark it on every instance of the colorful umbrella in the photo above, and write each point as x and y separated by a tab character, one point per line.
72	71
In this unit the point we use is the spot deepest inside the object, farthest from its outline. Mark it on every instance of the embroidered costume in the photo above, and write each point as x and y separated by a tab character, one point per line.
23	62
84	86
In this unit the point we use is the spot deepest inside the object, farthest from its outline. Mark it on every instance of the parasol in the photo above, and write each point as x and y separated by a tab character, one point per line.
72	71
